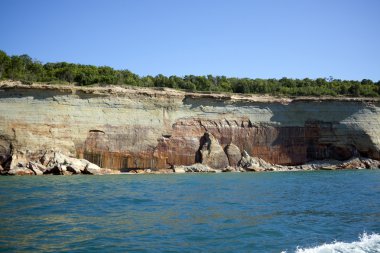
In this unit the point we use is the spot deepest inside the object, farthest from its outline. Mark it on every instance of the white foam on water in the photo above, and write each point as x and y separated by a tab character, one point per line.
366	244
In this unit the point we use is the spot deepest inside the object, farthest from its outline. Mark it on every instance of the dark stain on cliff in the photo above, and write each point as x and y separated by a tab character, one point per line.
106	149
96	131
285	145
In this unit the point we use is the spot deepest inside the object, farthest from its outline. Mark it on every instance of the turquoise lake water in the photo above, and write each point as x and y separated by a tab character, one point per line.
226	212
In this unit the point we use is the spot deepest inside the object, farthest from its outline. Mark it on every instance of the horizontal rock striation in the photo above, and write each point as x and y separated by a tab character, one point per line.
139	128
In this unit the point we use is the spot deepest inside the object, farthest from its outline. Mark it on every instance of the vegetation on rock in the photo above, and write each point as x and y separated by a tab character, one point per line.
27	70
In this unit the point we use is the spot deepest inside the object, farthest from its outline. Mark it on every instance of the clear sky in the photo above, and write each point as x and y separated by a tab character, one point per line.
236	38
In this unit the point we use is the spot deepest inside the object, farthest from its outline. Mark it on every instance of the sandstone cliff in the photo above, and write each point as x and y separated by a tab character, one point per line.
135	128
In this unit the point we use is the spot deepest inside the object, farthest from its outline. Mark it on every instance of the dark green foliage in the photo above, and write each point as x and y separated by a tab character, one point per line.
27	70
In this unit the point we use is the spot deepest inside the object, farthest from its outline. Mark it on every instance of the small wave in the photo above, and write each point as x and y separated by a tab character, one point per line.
366	244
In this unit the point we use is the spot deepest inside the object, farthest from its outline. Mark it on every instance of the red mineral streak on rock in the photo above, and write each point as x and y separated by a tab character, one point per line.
133	128
275	144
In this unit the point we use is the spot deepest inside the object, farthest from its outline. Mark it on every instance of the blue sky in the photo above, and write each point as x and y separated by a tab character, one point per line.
236	38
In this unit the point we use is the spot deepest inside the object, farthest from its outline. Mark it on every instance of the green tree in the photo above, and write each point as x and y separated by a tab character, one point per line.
355	89
4	63
24	68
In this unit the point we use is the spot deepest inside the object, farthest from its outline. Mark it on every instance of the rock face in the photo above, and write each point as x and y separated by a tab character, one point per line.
194	168
233	154
249	163
211	153
141	129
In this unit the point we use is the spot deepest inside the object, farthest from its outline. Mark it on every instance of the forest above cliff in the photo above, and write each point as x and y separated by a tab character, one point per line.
24	68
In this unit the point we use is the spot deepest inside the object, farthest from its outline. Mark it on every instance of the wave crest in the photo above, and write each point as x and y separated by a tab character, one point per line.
366	243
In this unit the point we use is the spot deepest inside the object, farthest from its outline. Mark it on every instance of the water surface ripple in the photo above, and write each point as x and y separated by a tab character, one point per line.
242	212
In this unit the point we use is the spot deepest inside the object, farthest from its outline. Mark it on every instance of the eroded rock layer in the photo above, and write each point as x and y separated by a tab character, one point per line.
141	128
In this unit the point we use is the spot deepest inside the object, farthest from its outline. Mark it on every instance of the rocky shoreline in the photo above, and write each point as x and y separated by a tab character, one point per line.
50	163
46	129
56	163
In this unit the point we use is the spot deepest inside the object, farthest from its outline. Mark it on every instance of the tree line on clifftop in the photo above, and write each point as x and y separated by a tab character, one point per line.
24	68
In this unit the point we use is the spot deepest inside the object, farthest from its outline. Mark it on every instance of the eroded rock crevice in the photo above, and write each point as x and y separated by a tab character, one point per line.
211	153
